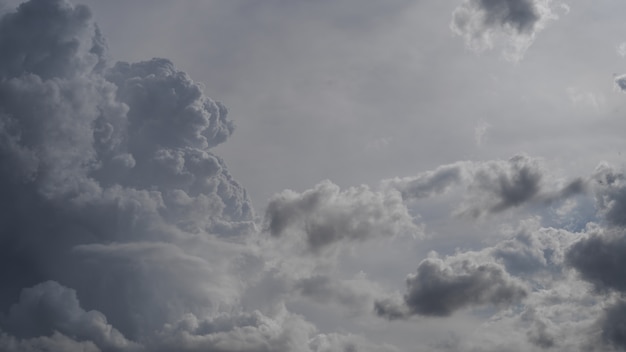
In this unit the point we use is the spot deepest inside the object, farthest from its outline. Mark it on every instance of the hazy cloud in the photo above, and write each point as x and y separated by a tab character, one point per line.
325	215
490	186
481	22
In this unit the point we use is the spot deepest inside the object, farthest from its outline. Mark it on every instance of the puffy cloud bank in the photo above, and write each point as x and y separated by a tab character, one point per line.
122	230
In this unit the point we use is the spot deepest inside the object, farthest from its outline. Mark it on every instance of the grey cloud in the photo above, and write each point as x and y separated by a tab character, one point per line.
31	42
110	186
355	295
439	288
620	82
613	325
511	184
237	333
599	258
491	186
56	342
49	307
500	185
479	21
533	252
428	183
327	215
166	108
98	167
610	192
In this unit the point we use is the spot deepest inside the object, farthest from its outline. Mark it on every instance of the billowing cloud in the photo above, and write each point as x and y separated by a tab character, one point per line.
121	229
325	215
517	22
442	286
49	307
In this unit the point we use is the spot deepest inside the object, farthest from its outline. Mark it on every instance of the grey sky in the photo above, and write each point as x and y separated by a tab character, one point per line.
293	175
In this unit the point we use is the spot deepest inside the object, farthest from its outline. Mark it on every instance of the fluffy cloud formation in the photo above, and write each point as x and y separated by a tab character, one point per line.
49	307
442	286
481	23
326	215
120	229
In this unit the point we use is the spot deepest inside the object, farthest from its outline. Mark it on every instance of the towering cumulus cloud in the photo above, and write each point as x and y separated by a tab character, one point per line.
120	230
116	219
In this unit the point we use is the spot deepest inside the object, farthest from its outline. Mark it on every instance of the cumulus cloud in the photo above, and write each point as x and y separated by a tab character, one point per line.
120	228
442	286
49	307
483	22
326	215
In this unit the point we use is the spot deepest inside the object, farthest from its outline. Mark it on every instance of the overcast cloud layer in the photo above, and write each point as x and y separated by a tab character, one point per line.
409	194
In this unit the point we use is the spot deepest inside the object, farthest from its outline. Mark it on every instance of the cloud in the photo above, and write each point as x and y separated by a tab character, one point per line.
599	258
120	228
610	194
491	186
326	215
442	286
49	307
56	342
620	82
429	183
517	22
613	325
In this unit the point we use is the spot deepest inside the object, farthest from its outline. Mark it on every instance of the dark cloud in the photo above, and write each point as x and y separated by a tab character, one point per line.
600	259
510	184
32	42
327	215
614	325
440	288
55	342
49	307
479	21
108	181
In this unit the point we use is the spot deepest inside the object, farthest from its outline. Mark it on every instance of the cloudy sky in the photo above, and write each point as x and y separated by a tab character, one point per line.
312	175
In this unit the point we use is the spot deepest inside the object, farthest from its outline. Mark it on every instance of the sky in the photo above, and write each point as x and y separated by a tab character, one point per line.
312	175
